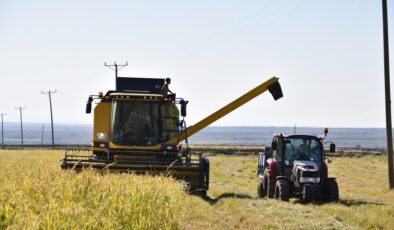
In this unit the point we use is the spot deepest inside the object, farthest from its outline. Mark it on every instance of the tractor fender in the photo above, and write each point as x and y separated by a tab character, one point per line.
273	169
324	171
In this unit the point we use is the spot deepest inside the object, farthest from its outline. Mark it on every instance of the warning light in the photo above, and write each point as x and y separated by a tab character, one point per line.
100	94
325	132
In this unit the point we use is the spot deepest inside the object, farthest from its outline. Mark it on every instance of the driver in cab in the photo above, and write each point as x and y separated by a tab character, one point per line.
303	153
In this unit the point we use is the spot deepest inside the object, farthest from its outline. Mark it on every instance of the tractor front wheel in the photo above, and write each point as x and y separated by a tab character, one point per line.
260	190
268	183
311	192
282	190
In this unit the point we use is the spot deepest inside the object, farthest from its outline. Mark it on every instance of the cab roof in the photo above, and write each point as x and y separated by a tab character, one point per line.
282	135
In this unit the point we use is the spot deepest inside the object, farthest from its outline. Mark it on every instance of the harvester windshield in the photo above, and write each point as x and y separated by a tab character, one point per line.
135	123
303	148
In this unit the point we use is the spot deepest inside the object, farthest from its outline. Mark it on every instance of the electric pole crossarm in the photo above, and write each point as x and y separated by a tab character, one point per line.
116	68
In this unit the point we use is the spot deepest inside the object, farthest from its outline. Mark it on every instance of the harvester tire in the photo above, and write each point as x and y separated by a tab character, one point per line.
268	183
282	190
260	190
331	193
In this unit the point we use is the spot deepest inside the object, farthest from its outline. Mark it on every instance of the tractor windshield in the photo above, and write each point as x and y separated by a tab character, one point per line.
135	123
303	148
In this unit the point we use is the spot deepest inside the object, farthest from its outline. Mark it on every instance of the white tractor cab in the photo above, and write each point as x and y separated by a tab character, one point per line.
294	167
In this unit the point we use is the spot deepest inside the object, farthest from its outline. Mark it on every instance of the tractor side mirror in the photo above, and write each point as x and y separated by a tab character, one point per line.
332	148
89	105
183	107
274	145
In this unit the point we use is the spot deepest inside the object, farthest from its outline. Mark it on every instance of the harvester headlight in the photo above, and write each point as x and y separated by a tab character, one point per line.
101	136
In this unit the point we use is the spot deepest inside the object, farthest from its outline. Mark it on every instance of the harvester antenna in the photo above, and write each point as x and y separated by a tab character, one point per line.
2	130
115	67
49	92
20	108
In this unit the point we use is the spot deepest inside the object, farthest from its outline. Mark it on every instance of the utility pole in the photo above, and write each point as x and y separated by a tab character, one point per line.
50	107
115	67
2	130
387	94
20	113
42	135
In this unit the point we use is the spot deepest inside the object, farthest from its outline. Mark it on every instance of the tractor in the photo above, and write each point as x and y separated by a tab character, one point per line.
294	167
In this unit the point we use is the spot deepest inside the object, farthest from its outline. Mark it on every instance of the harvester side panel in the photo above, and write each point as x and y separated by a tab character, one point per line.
102	121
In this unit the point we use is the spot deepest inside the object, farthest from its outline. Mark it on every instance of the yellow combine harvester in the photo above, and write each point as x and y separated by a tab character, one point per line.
138	129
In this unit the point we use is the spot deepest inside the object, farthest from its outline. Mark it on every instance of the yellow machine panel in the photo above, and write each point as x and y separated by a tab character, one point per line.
102	121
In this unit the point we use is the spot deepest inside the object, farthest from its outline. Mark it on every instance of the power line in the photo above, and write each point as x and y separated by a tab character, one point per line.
50	107
20	113
2	130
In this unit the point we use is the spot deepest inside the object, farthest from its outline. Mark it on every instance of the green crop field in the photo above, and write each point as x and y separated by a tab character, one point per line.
35	193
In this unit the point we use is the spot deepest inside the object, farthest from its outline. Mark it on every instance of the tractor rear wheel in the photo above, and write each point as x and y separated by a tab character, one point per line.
268	183
331	192
260	190
282	190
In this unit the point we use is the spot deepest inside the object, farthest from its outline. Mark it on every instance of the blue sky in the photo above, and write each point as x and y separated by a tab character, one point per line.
328	55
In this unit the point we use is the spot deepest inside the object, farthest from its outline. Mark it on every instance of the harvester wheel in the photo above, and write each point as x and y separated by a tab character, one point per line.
331	192
282	190
260	190
268	183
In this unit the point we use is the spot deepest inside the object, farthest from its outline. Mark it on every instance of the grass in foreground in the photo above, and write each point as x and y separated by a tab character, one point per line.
35	193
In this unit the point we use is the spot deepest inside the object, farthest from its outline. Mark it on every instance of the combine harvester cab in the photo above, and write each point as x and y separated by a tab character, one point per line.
137	129
294	166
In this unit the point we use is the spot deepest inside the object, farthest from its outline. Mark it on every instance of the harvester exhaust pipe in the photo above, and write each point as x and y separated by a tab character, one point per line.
275	90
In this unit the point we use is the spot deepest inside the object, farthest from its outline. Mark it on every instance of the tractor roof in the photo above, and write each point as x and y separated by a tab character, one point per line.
281	135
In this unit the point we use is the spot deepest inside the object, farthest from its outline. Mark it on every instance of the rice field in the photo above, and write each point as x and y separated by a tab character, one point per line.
36	194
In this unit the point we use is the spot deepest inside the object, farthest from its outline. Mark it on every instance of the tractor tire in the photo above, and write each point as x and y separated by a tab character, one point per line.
331	193
311	192
268	183
282	190
318	193
261	193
